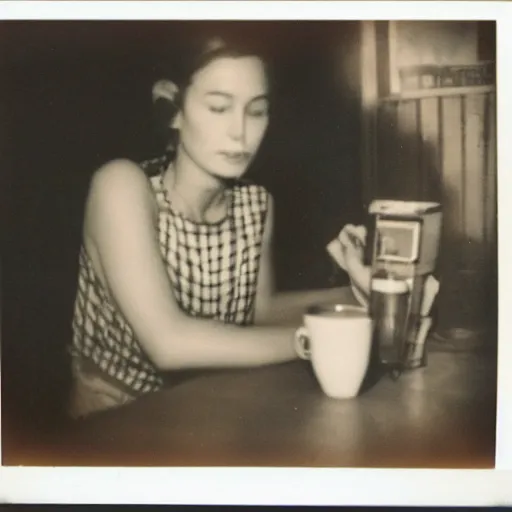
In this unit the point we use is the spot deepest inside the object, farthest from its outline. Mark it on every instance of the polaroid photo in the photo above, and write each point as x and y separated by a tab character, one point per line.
151	149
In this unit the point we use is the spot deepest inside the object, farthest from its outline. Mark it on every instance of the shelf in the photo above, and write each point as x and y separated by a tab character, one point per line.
438	92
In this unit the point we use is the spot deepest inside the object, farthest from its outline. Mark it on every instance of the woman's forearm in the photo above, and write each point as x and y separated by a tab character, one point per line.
207	343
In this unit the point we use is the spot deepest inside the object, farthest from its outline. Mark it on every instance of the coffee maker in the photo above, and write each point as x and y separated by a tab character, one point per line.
403	242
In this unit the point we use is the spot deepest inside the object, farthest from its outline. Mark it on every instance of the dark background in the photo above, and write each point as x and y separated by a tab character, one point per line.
75	94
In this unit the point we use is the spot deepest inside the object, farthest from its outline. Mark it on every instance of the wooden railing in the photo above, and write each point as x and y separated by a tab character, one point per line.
442	148
441	145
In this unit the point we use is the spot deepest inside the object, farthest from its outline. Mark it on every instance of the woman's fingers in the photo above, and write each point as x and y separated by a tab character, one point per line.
352	237
356	232
348	248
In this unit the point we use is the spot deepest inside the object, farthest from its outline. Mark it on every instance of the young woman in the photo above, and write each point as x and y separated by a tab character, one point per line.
175	266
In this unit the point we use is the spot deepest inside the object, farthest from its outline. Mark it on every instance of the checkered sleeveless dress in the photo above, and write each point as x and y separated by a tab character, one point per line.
213	270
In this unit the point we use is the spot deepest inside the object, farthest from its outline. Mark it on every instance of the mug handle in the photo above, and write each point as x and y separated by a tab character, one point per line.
302	343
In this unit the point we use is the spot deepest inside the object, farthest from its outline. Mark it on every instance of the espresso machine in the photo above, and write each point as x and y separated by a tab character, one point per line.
403	244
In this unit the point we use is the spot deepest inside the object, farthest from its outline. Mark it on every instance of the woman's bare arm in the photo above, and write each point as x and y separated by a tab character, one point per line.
120	228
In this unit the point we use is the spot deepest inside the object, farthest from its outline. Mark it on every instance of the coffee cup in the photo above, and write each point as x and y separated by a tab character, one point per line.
337	339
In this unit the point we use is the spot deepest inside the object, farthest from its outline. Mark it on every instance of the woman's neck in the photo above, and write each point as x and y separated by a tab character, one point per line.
195	193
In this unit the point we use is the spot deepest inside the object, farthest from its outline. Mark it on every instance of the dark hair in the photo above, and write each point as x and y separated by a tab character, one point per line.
193	51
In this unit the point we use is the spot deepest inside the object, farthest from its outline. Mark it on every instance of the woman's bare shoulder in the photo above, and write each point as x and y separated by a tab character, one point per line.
120	188
120	175
120	181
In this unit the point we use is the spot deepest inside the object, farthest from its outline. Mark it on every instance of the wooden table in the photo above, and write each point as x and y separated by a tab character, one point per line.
436	417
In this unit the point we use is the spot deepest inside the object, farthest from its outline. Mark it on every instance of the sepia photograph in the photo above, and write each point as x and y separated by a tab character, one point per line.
242	243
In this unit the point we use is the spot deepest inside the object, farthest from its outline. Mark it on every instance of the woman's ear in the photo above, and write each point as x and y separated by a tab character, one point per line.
176	121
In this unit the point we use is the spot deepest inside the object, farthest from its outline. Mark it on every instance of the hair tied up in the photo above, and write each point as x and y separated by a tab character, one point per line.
165	90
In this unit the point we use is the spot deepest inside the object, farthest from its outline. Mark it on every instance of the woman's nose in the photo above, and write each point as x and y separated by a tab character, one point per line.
237	126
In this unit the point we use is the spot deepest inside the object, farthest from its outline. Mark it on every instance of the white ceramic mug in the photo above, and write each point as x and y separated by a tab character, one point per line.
337	339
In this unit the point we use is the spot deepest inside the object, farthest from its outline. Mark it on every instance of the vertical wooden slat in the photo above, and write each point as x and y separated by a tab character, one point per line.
451	171
429	129
408	155
386	181
490	189
475	170
369	97
452	165
394	78
462	184
491	210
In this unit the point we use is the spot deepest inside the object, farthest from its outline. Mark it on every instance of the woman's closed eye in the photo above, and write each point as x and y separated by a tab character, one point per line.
218	109
259	108
258	112
256	109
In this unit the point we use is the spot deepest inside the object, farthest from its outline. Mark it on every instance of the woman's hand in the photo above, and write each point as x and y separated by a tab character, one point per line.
352	240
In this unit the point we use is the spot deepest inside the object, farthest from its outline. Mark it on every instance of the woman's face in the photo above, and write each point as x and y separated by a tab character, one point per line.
224	115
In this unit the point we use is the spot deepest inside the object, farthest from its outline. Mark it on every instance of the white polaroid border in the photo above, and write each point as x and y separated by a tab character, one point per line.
297	486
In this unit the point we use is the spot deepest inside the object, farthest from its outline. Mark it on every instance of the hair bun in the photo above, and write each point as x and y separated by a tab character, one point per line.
164	90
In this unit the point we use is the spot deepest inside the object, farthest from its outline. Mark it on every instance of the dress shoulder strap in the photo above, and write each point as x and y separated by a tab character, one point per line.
250	204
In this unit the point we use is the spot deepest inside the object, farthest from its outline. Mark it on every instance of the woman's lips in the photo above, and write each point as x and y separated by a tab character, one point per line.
236	157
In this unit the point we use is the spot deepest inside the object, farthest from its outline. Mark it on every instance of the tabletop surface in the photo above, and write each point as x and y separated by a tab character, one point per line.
440	416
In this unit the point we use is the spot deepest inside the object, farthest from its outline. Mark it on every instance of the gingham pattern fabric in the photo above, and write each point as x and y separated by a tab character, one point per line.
213	269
